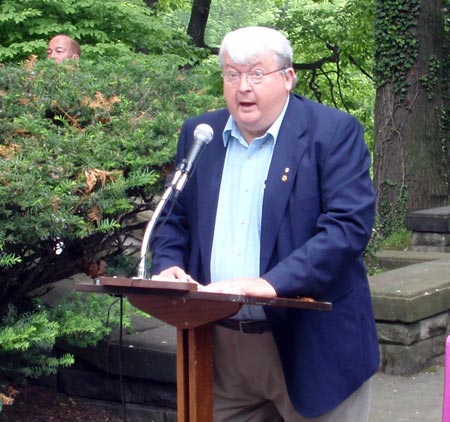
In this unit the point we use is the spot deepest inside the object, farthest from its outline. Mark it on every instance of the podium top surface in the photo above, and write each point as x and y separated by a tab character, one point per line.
188	291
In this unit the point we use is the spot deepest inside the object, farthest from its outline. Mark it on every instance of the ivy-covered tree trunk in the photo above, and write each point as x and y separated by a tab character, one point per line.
411	162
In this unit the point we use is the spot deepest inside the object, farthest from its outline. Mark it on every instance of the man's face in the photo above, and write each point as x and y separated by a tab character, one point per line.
60	48
255	106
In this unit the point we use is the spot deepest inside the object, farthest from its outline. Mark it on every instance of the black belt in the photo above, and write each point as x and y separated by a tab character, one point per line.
246	327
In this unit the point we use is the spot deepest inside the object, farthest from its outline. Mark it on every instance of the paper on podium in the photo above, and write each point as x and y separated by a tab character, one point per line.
156	282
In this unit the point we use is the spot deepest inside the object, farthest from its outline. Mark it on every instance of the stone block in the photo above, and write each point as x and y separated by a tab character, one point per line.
148	351
86	382
408	334
430	242
433	220
144	363
407	360
412	293
149	354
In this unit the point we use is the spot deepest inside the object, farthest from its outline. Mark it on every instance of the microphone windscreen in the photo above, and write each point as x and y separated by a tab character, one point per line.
204	133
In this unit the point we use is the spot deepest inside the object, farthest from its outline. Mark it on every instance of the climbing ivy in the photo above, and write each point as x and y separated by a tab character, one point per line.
396	45
429	80
445	112
401	77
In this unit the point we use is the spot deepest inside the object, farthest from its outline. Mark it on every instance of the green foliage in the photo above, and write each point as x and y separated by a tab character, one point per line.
85	319
341	32
334	44
103	28
392	218
397	241
25	344
404	29
8	260
27	339
431	78
227	16
396	42
445	112
81	155
223	16
123	265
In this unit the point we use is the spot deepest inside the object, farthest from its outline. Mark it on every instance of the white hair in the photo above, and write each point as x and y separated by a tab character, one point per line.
245	44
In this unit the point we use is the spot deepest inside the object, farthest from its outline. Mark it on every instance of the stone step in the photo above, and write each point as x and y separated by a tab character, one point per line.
390	260
413	292
430	229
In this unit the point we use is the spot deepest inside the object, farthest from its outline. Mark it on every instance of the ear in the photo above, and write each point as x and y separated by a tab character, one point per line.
75	56
291	78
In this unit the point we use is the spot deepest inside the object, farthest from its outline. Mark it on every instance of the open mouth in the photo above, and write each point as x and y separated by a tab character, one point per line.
246	104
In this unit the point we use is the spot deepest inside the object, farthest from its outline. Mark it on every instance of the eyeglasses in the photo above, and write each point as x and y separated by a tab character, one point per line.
233	77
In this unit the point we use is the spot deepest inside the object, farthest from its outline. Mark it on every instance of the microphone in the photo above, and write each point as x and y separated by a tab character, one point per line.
203	135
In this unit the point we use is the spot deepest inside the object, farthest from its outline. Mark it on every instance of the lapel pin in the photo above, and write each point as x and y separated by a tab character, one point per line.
284	178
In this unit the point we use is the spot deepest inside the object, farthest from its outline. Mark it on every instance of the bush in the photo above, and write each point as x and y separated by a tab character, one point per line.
27	339
83	149
102	28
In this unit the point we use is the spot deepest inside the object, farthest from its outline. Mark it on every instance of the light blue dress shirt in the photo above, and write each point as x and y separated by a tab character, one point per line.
237	233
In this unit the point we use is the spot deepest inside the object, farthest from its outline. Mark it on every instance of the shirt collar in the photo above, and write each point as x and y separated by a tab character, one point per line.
231	129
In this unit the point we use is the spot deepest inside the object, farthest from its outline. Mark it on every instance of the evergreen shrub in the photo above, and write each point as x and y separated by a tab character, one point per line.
27	339
84	147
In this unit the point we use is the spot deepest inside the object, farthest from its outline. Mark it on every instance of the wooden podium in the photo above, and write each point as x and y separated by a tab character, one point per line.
193	313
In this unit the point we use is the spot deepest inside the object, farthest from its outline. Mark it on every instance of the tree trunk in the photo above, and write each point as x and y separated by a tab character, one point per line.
411	163
197	23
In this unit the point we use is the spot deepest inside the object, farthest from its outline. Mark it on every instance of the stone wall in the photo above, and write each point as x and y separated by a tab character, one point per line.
412	311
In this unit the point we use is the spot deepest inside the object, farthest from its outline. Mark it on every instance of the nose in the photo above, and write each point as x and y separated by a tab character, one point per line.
244	84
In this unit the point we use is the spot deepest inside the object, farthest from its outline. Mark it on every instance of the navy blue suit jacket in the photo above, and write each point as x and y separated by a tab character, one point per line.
316	223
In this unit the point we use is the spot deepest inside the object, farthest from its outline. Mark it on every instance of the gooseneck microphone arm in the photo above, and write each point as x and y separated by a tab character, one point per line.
203	134
149	229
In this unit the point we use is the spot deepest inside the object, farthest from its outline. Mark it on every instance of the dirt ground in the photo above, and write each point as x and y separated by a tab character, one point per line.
40	404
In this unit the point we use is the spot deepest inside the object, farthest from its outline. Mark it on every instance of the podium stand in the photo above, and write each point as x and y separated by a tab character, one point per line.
193	313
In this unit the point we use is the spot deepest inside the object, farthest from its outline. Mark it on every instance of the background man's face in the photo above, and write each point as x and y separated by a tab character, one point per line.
60	48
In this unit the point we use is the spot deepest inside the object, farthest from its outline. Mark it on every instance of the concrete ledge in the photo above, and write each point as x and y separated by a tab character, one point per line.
148	368
434	220
146	334
146	400
390	260
430	229
412	293
159	366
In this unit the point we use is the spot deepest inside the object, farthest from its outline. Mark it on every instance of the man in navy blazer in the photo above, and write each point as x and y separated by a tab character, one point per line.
280	204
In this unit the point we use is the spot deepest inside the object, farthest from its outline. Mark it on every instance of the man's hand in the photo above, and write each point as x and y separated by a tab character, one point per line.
176	274
242	286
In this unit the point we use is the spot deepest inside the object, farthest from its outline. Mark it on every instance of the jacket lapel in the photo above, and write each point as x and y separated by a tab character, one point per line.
290	146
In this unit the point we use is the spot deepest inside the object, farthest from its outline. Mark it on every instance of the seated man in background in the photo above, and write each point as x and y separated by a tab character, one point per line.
62	47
